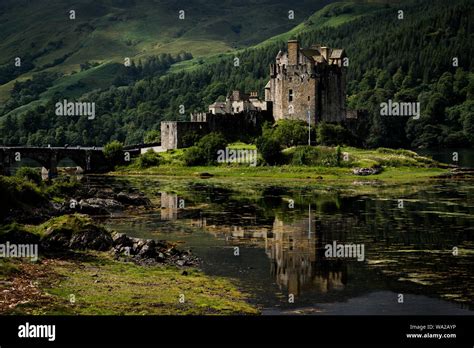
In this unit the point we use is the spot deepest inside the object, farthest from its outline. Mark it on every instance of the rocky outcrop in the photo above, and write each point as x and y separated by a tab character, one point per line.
149	251
99	206
78	232
75	232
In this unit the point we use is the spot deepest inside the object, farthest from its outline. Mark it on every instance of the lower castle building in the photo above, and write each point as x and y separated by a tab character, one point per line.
307	84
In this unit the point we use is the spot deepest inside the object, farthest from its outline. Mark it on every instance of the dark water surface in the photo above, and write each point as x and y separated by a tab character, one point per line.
282	231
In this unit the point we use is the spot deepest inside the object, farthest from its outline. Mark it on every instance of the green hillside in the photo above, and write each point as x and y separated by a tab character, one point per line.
409	60
43	35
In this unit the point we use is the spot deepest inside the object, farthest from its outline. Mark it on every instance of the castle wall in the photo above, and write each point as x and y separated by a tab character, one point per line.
333	95
234	127
173	133
296	80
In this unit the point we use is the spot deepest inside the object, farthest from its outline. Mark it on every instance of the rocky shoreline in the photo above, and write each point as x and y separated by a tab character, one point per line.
67	226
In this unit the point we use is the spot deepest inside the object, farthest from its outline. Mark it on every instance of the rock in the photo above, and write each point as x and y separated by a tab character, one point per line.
132	199
16	235
366	171
99	206
76	232
204	175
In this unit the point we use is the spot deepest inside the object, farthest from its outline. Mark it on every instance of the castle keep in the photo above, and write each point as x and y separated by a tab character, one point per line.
306	84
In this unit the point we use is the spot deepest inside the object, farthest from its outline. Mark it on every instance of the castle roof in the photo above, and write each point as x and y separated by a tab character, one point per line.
217	104
267	85
337	53
310	52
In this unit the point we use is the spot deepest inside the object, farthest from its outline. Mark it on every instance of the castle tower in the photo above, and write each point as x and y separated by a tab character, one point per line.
293	52
308	84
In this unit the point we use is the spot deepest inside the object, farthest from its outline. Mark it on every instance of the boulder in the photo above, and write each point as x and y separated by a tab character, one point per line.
366	171
75	232
99	206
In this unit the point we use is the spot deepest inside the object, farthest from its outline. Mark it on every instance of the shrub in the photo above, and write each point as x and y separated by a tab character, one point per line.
270	150
113	152
210	144
153	136
62	187
333	134
30	174
190	139
315	156
149	159
291	133
17	193
194	156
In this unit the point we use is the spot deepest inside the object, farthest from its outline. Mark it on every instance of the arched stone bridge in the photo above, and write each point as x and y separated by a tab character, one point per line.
90	159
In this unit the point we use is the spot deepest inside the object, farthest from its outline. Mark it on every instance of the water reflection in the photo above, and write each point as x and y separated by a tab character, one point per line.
407	250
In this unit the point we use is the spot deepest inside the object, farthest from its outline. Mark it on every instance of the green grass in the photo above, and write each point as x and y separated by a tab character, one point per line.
107	32
328	174
398	166
102	286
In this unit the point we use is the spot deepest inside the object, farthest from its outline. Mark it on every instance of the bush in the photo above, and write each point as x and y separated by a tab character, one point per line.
153	136
194	156
30	174
333	134
18	193
113	152
291	133
315	156
270	150
190	139
62	187
209	145
149	159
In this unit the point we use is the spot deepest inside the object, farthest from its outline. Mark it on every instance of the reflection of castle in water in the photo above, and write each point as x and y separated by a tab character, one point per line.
295	261
294	250
169	206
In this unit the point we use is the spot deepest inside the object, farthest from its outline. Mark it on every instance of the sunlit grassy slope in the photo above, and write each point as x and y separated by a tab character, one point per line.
107	31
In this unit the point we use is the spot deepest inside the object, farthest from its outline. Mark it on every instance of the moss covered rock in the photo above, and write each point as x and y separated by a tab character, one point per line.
74	231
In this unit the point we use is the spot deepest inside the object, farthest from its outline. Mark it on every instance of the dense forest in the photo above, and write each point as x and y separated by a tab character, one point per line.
424	57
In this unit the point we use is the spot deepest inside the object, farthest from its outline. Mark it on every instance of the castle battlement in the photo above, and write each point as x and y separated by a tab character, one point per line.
308	84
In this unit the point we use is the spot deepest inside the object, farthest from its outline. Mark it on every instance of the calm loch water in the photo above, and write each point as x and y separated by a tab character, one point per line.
408	234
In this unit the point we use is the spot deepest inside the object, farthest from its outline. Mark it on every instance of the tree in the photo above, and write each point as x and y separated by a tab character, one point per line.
270	150
333	134
291	132
194	156
113	152
210	144
152	136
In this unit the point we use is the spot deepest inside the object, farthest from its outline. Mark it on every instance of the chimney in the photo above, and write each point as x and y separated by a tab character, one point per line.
293	52
324	52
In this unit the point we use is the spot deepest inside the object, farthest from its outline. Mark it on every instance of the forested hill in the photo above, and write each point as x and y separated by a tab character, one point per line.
409	59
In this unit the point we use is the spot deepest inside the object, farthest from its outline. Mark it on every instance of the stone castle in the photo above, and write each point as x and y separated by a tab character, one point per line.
306	84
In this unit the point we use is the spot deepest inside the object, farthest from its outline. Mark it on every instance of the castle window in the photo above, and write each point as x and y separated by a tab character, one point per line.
309	98
290	95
